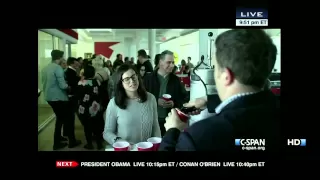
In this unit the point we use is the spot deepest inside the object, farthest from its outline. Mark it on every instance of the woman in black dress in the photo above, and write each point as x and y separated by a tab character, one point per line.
89	108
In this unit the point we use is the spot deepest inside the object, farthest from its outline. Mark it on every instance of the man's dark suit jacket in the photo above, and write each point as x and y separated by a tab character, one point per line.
254	116
213	102
174	88
72	80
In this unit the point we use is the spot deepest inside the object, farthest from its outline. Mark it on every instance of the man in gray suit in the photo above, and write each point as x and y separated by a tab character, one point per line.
55	93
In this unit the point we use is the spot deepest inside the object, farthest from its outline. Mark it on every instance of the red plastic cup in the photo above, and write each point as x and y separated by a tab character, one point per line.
166	97
182	116
156	141
121	146
276	91
145	146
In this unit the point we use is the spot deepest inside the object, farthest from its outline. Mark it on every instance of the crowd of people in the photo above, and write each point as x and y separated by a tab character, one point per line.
123	100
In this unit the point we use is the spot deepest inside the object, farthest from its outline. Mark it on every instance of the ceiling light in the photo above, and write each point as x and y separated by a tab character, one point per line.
109	30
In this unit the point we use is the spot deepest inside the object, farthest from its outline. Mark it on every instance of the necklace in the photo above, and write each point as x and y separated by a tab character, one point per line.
136	99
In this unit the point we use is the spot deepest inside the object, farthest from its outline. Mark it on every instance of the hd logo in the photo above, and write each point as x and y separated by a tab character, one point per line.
251	144
297	142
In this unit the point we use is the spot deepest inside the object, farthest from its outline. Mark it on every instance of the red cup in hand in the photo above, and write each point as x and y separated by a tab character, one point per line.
182	116
156	141
145	146
121	146
166	97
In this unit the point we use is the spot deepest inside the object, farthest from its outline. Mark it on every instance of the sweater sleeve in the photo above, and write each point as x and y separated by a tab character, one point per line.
110	127
155	126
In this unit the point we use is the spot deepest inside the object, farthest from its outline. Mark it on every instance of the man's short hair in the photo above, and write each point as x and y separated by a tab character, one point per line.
142	53
249	53
71	60
164	53
56	54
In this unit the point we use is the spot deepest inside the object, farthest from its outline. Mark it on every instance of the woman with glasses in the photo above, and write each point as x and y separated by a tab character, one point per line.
132	114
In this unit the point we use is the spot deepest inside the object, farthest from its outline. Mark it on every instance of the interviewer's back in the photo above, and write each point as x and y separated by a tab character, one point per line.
255	116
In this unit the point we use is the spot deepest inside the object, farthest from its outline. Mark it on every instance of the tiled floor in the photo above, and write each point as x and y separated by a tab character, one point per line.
45	138
44	113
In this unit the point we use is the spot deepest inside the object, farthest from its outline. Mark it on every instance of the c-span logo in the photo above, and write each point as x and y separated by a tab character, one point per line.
251	144
297	142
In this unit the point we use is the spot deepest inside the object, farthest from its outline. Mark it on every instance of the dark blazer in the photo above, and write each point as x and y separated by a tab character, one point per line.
72	80
174	88
254	116
213	102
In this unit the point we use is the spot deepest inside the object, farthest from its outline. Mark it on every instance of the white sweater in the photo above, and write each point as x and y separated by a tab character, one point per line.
136	123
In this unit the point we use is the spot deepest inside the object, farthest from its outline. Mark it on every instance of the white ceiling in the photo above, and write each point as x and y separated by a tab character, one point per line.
162	34
133	31
123	32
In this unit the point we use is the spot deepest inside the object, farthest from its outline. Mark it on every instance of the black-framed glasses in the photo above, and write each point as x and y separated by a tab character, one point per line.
127	79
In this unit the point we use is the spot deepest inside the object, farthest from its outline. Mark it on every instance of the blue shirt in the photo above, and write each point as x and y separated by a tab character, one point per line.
54	84
231	99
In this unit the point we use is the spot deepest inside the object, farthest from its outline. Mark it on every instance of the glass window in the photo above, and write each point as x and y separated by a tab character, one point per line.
45	46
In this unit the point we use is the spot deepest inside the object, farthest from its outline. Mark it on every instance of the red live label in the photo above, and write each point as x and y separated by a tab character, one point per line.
66	164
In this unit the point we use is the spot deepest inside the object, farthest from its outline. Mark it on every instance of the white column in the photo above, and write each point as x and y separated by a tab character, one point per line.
152	42
127	44
137	44
69	50
62	46
137	40
158	49
129	48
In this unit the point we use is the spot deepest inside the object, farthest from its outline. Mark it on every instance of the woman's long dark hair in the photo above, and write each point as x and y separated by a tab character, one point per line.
157	60
120	93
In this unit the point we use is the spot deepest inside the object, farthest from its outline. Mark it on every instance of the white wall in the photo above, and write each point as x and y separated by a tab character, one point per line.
126	46
184	46
131	47
188	45
84	45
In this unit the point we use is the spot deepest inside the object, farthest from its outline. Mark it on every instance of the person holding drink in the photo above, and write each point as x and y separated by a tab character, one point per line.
131	115
244	61
166	87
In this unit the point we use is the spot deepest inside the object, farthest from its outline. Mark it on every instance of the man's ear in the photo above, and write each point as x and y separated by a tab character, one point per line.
228	76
